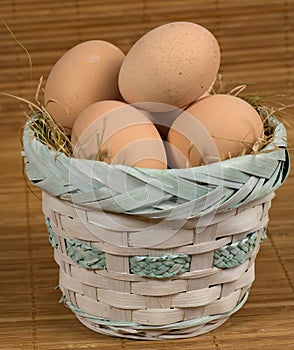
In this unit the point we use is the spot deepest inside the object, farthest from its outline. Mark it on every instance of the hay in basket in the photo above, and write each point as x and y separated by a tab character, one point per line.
156	254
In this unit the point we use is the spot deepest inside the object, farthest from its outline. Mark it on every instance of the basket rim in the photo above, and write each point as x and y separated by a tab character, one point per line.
184	193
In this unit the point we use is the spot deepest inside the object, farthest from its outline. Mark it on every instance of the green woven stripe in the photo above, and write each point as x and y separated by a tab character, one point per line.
167	266
237	253
52	237
86	256
160	267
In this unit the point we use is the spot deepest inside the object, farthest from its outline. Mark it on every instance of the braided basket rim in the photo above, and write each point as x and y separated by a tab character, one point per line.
72	179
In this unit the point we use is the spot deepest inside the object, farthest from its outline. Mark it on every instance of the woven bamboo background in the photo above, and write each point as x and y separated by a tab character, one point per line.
256	37
257	43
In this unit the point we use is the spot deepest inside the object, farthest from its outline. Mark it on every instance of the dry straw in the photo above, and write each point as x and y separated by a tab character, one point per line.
56	138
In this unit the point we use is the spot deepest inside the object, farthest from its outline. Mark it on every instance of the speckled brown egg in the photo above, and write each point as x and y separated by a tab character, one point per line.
173	64
85	74
118	133
214	128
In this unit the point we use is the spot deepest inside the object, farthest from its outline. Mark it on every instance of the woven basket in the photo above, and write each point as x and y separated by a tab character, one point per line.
156	254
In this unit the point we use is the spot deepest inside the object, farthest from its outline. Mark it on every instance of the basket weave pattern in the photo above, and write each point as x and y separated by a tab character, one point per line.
114	293
156	254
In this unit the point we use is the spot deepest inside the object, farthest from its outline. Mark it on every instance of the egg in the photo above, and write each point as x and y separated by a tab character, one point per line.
173	64
162	118
118	133
85	74
214	128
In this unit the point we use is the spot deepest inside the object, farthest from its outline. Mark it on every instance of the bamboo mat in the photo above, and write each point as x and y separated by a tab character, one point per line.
257	43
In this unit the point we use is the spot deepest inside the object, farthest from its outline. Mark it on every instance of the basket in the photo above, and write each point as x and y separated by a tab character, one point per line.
156	254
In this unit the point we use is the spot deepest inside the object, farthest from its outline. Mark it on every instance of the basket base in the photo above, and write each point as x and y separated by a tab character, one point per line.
178	330
152	334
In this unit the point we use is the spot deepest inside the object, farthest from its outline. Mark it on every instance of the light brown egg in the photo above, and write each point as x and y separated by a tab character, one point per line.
85	74
162	118
118	133
214	128
173	64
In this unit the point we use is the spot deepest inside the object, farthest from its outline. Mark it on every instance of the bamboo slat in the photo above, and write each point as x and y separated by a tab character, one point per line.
257	42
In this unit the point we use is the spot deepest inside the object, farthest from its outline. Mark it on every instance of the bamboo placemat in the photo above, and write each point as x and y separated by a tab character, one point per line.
257	42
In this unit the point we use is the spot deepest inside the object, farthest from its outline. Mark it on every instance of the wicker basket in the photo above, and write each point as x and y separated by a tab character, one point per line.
156	254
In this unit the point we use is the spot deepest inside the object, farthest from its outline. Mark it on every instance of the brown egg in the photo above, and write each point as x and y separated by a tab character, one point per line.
85	74
118	133
214	128
162	118
173	64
